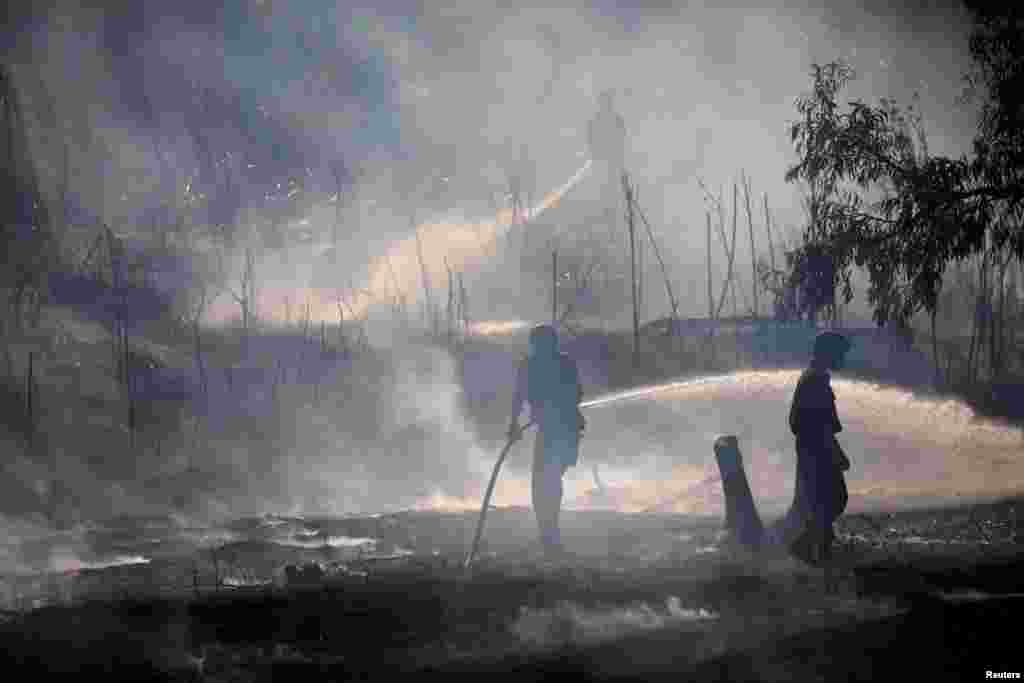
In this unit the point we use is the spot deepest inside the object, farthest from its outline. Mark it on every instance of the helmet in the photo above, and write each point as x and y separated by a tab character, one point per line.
543	340
831	344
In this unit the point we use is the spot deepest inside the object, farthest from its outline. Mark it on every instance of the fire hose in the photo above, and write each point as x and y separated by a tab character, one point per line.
487	495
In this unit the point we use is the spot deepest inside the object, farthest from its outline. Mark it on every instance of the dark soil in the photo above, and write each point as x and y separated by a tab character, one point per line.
943	610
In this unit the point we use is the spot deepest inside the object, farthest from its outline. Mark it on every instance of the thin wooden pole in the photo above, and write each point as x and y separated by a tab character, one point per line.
30	417
711	296
337	217
661	262
450	310
429	299
464	305
394	277
768	229
771	256
639	262
554	287
753	252
735	325
632	260
342	342
730	249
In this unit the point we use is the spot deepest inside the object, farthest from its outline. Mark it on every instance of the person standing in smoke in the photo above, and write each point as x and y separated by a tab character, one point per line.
549	381
606	137
820	496
606	141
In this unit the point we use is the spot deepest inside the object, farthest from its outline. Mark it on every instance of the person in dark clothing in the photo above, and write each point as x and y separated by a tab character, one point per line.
606	136
606	140
821	495
549	381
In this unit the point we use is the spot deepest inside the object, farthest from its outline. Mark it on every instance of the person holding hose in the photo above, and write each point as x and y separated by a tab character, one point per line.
549	381
820	494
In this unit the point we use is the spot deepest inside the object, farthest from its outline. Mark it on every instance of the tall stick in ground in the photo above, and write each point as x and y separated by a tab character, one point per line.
730	247
246	299
115	284
661	262
342	341
639	261
753	251
735	324
394	277
999	322
399	304
463	306
129	381
30	383
711	295
429	298
338	170
342	300
450	307
554	286
121	348
627	188
980	317
307	316
673	303
197	347
250	296
768	230
771	254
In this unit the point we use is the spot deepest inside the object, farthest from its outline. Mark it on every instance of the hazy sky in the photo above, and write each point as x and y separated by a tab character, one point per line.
419	92
414	91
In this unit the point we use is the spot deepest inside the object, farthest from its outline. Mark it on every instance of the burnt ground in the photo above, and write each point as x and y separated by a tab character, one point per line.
935	594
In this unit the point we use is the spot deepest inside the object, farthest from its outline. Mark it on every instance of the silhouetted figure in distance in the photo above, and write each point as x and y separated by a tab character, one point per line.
606	136
821	495
549	381
606	140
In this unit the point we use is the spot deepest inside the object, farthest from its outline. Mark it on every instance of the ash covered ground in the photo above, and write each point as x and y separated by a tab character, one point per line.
930	551
643	595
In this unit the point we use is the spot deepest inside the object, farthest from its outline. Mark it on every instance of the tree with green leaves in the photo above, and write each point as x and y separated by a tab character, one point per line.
867	175
880	201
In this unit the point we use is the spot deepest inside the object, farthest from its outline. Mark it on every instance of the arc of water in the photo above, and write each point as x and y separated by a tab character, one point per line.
380	276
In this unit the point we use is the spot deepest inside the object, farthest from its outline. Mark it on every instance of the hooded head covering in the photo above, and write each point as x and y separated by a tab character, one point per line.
543	341
831	345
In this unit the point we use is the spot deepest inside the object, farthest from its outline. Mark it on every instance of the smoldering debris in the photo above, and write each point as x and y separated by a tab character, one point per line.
569	623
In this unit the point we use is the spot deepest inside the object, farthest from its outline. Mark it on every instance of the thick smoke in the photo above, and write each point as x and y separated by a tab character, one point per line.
431	111
222	132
